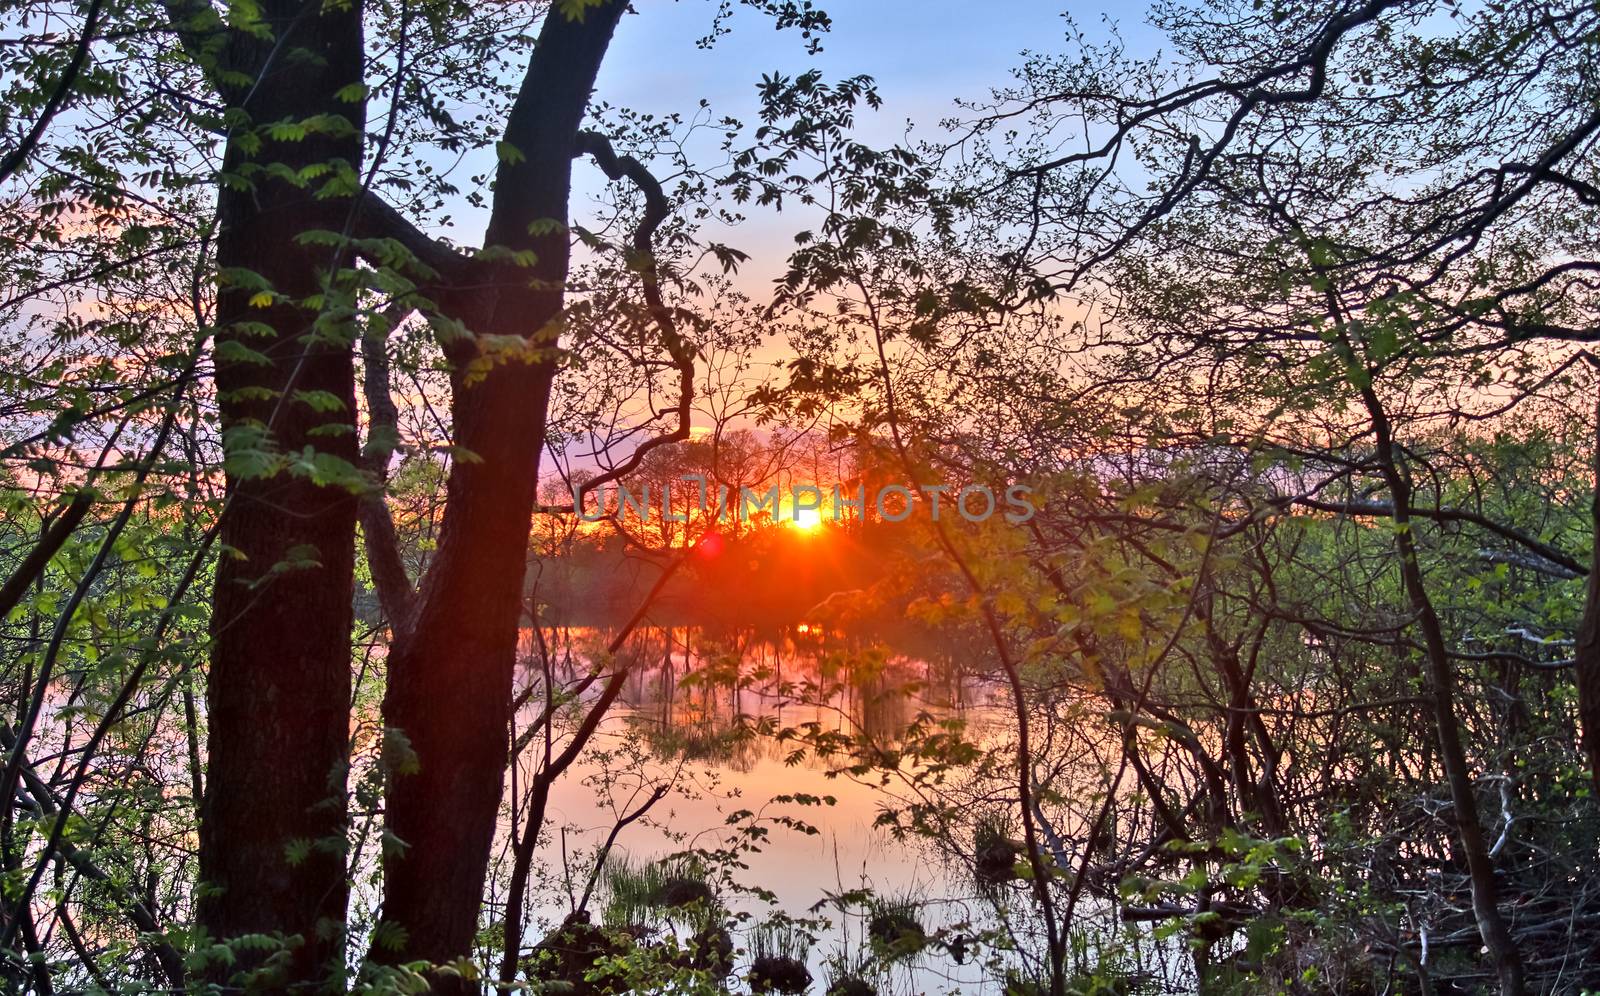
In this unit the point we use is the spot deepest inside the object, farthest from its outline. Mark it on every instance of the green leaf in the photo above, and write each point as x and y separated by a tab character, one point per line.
234	351
320	401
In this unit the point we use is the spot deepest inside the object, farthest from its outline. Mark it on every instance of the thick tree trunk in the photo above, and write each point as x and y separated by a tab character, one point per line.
273	821
450	673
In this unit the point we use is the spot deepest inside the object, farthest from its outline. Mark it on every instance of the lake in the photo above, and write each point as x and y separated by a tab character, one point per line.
702	710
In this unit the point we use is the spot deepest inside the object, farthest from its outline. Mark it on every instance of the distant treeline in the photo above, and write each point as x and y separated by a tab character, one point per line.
773	576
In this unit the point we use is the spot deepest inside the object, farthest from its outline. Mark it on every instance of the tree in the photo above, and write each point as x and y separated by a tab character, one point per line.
498	314
272	828
1347	147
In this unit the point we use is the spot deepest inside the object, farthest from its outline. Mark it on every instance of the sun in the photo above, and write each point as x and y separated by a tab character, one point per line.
806	519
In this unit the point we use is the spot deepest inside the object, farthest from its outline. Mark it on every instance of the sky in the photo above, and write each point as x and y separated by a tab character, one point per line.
924	55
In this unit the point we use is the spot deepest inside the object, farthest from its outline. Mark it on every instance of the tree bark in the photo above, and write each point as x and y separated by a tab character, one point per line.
449	688
272	826
388	569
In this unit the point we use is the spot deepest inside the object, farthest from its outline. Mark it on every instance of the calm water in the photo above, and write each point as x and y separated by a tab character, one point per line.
687	691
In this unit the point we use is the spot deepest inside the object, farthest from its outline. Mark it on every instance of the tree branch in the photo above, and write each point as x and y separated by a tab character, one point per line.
656	210
1385	510
42	801
44	551
80	54
396	594
376	218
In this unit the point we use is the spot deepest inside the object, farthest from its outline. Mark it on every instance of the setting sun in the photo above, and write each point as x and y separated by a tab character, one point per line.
806	519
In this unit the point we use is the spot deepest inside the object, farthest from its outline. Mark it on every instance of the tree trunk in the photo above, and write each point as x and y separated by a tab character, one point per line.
450	673
272	827
1497	940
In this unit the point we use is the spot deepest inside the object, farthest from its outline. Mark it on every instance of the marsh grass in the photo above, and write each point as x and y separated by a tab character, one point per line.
851	975
894	927
778	959
641	893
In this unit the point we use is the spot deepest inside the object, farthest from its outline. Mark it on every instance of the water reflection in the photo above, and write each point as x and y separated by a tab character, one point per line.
722	696
716	711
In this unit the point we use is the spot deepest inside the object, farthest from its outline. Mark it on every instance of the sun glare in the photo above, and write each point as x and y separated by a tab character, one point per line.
806	519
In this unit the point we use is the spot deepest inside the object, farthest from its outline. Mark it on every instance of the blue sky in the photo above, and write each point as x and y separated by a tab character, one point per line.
924	56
